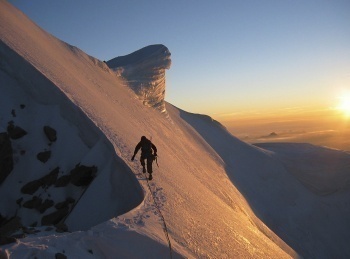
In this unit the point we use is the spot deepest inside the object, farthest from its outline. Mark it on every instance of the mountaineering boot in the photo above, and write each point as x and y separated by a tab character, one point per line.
150	177
144	170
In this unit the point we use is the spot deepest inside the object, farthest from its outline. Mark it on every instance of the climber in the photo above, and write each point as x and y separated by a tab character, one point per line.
146	153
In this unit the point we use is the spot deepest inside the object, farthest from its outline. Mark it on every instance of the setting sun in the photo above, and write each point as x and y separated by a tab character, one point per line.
344	104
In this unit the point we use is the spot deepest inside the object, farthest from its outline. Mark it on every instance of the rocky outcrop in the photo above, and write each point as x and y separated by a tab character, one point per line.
63	181
6	157
38	204
50	133
44	156
83	175
65	203
15	132
45	181
145	72
55	217
6	240
10	226
60	256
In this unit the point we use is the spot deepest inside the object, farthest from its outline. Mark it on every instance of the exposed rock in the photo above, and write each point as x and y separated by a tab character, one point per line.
44	156
18	236
30	231
45	181
54	217
45	205
35	202
15	132
22	106
3	254
4	240
19	201
38	204
51	178
31	187
34	224
61	227
13	112
10	226
65	203
83	175
50	133
63	181
60	256
2	220
6	156
145	71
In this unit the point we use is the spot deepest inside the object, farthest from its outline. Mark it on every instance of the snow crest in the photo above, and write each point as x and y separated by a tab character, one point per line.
144	70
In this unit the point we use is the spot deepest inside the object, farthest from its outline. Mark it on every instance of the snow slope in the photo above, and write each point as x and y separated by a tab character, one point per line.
220	197
313	223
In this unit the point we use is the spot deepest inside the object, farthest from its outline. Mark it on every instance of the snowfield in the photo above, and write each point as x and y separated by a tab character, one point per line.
219	197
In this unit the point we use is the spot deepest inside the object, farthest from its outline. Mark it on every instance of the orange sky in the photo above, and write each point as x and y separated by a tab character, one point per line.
321	126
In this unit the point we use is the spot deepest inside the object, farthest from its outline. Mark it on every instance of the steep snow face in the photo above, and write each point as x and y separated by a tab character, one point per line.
30	100
190	179
144	70
300	191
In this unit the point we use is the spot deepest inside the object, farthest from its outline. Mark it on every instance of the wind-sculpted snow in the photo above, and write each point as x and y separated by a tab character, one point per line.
145	72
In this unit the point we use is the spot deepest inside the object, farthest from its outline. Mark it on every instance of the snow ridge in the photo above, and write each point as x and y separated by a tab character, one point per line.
144	70
258	208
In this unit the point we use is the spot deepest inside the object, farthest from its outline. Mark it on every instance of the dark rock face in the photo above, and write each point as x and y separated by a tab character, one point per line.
83	175
10	226
35	202
15	132
45	181
6	156
65	203
31	187
60	256
44	156
45	205
54	217
19	201
2	219
63	181
38	204
7	240
50	133
50	178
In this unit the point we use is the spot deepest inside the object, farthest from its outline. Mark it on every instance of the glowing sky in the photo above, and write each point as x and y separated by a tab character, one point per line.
227	56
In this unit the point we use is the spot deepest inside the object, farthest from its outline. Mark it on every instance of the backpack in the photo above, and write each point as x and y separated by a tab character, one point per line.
146	148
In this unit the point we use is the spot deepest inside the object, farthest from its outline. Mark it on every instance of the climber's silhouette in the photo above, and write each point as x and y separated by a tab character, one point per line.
146	153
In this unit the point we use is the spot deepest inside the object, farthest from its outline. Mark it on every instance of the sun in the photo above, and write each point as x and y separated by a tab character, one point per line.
344	104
